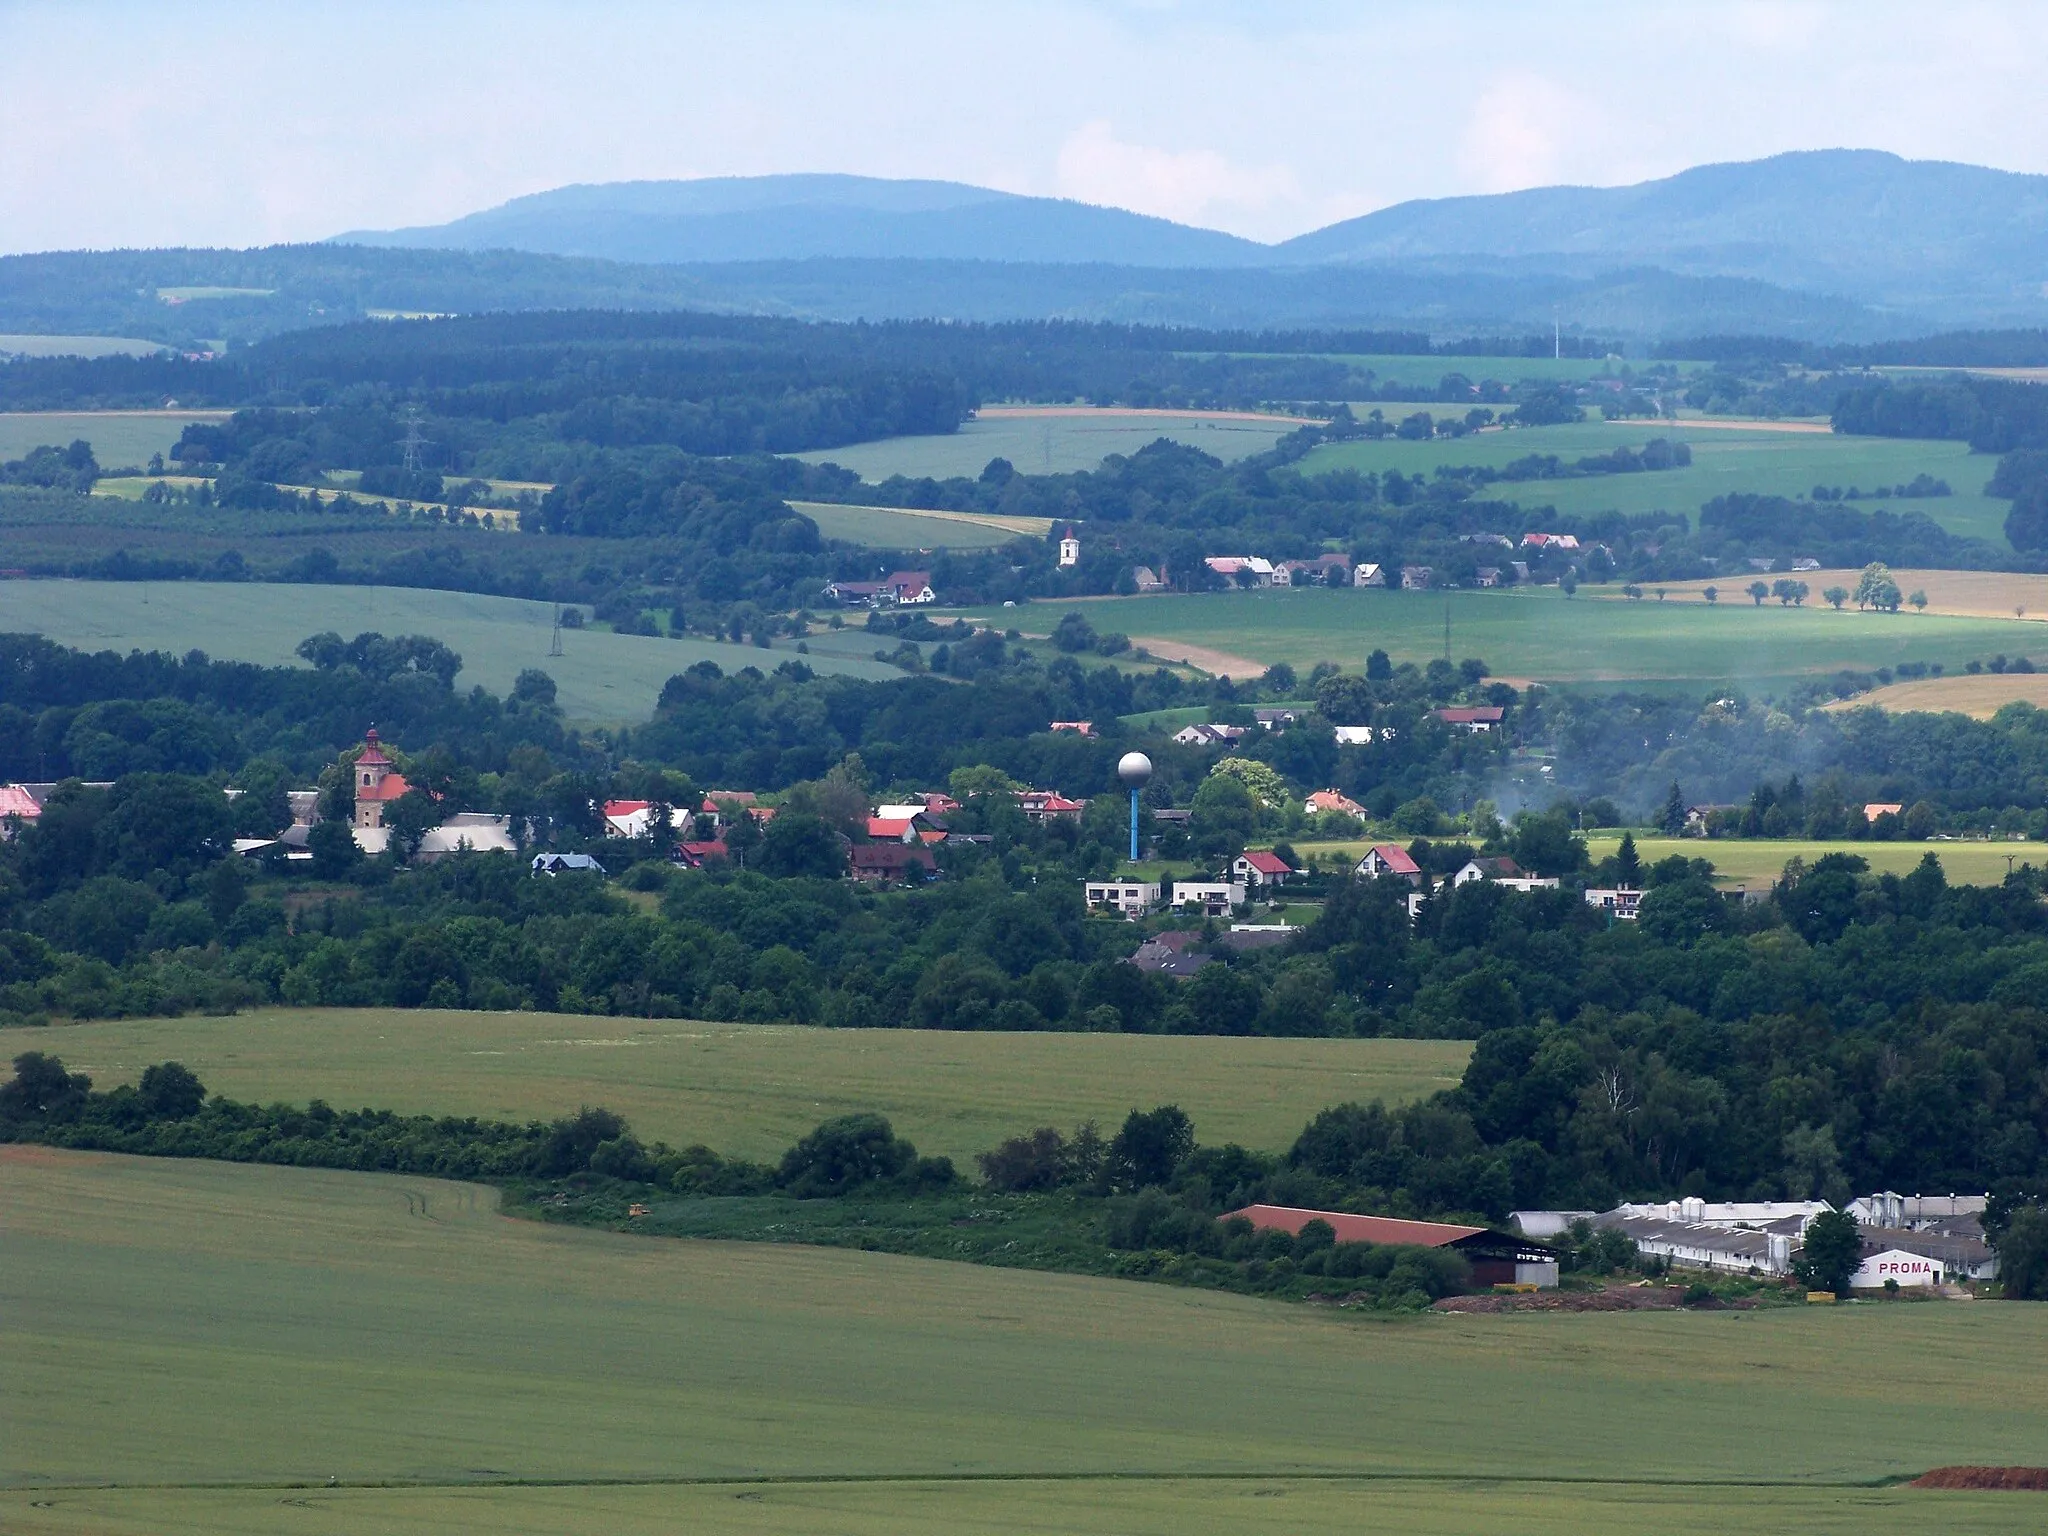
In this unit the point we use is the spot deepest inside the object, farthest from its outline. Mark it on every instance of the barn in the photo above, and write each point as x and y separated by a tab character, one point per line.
1497	1258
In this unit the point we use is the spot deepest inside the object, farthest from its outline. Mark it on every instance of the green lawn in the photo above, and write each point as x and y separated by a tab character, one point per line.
1539	633
1046	444
602	676
170	1330
120	439
1758	862
1723	460
751	1089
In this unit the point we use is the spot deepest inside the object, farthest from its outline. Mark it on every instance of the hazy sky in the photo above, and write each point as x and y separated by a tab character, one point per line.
240	124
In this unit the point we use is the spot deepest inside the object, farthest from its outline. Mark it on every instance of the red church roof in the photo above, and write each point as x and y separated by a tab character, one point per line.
373	754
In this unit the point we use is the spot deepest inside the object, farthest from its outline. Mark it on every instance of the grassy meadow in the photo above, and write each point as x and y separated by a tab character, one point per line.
602	676
364	1330
751	1089
1766	459
77	346
1539	633
120	439
896	528
1979	697
1079	437
1759	861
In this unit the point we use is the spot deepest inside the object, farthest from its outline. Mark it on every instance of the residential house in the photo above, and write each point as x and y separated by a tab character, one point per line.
1487	576
569	863
1334	800
1242	570
1354	735
1473	717
1487	538
1806	563
1502	871
1618	902
1367	573
1388	860
1043	805
1170	954
1877	808
1417	578
1273	719
908	589
696	855
628	818
1520	568
1323	571
892	863
1202	734
1260	867
853	591
1133	898
1542	541
1211	898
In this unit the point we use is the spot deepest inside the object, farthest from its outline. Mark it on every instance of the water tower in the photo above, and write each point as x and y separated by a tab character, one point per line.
1135	769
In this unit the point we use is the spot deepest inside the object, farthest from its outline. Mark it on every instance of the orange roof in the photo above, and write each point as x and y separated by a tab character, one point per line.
373	754
887	828
390	787
1358	1229
16	801
625	807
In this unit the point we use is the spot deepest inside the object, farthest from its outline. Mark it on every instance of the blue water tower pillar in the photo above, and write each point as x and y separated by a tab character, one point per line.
1135	769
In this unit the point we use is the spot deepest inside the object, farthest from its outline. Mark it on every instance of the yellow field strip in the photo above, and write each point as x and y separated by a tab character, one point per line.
1035	527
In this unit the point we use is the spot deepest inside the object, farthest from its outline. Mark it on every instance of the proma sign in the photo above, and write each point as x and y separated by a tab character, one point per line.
1904	1268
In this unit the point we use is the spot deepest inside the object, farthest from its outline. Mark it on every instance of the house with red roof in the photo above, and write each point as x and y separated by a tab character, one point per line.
697	855
892	863
1384	861
1257	867
1473	717
1333	800
1043	805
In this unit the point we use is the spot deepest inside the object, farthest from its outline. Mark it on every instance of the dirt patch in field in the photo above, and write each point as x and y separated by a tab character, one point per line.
2016	1479
1624	1298
1221	663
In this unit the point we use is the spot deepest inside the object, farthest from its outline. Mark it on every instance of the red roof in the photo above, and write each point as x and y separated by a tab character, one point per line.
625	807
887	829
890	859
1358	1229
390	787
1267	863
16	801
1472	714
696	854
1395	858
373	754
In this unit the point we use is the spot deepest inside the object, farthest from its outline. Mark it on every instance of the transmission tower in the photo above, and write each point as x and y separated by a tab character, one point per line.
414	440
555	640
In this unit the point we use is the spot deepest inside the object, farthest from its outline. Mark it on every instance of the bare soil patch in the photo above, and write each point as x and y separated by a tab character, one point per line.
1222	663
1619	1298
2013	1479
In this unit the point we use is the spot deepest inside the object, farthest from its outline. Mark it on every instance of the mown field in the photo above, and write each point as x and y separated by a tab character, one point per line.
895	528
120	439
1078	438
751	1089
1759	861
1979	697
195	1346
1763	460
1539	633
602	676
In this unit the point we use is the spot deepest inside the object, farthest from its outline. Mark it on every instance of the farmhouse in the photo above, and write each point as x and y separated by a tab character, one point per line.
1497	1258
1333	800
698	855
1133	898
1242	570
1540	541
1473	717
1388	860
1324	570
1256	867
1274	719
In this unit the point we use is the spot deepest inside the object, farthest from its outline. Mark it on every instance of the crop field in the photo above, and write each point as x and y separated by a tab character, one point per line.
751	1089
77	346
1425	372
1725	458
1539	633
1957	594
1979	697
119	439
896	528
377	1352
1041	442
1760	861
601	676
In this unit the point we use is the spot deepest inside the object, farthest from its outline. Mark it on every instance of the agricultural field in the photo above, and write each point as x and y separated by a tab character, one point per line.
1426	372
77	346
1758	862
1956	594
601	676
1054	440
120	439
750	1090
896	528
1979	697
1540	633
388	1353
1779	459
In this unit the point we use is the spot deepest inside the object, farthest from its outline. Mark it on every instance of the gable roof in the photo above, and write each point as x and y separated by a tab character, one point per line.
1394	857
1471	714
1266	862
891	858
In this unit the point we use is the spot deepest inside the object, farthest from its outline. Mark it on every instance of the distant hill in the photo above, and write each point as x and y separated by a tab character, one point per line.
1912	236
796	218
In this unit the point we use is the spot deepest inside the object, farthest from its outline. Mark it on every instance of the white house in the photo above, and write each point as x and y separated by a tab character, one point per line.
1366	574
1133	898
1202	734
1505	872
1618	902
1212	898
1384	859
1258	866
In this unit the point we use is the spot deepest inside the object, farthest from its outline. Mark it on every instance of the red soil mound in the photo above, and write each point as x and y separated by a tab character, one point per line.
2029	1478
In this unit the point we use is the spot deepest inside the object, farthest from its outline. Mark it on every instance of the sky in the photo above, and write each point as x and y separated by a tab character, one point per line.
131	124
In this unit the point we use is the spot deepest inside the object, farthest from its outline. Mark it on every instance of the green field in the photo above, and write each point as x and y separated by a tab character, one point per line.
1040	445
749	1090
1539	633
120	439
194	1346
1426	372
77	346
894	528
1760	861
602	676
1724	459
